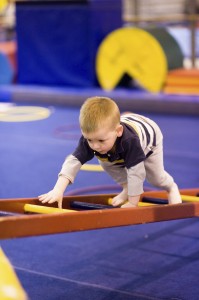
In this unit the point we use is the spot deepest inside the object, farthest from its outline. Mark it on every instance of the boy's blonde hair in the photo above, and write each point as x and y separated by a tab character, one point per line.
97	112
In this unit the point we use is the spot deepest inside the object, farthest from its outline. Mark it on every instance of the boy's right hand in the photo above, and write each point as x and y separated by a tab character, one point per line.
51	197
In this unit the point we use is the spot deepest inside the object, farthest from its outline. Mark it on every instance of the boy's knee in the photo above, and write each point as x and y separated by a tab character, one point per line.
159	181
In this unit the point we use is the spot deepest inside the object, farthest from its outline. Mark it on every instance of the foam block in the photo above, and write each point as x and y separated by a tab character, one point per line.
39	209
88	206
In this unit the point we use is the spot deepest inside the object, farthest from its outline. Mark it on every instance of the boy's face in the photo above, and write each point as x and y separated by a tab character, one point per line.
103	140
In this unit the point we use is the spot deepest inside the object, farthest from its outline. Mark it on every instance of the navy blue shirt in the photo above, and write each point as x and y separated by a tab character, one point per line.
127	150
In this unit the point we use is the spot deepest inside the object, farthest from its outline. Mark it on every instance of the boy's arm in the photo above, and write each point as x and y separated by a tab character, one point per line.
67	175
135	178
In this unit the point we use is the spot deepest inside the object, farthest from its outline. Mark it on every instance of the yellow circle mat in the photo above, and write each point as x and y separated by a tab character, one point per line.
131	51
24	114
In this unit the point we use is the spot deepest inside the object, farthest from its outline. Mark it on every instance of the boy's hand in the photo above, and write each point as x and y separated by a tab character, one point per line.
56	194
132	201
51	197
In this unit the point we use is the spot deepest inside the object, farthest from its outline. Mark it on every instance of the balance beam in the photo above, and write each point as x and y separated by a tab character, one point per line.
35	225
25	225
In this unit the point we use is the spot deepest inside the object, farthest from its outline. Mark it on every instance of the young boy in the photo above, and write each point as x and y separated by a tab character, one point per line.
128	147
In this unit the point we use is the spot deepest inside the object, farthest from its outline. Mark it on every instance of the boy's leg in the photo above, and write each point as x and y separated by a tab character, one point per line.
157	176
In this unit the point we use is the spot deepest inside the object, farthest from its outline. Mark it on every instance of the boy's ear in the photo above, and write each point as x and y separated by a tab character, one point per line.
119	130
